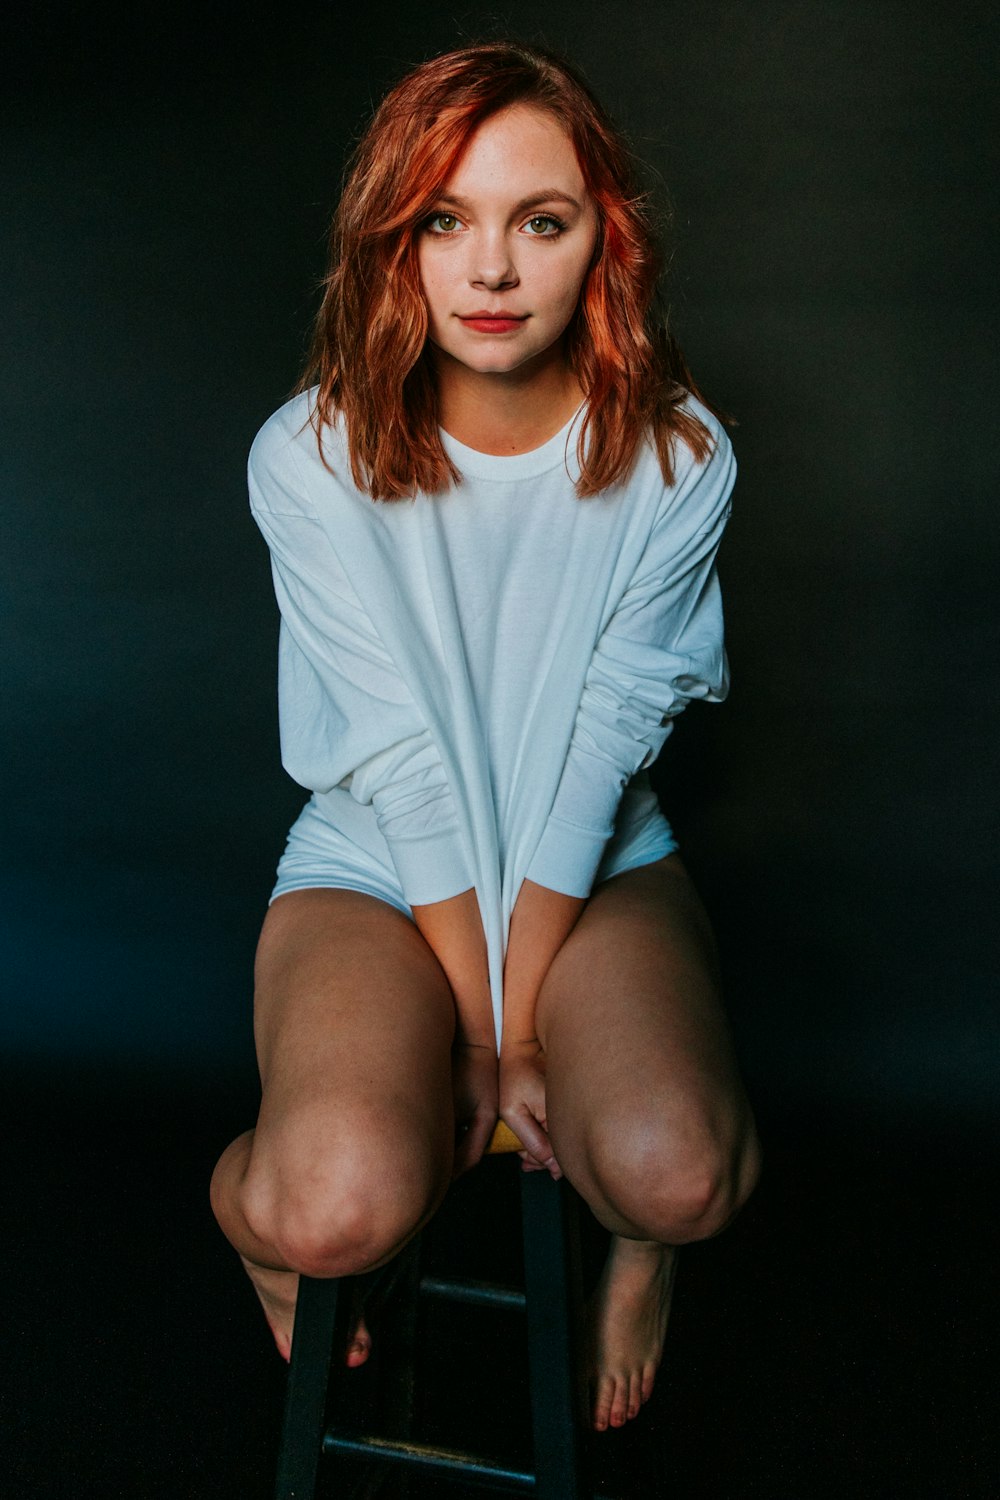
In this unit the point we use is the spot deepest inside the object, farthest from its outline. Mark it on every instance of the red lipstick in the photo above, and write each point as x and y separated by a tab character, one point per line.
487	322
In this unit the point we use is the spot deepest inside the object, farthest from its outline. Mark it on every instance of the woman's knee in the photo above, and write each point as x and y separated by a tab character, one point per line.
672	1186
346	1206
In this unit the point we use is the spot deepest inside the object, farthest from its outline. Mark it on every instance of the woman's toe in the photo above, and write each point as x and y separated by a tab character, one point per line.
619	1404
360	1346
602	1402
634	1393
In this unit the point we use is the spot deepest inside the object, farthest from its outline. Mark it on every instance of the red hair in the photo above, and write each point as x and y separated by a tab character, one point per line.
368	357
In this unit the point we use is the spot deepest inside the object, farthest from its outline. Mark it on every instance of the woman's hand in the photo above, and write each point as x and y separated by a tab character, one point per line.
540	923
522	1103
475	1091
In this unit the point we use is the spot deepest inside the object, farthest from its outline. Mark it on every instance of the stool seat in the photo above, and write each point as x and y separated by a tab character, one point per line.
503	1140
553	1304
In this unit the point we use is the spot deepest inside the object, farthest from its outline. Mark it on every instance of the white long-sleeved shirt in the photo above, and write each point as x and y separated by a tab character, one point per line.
486	668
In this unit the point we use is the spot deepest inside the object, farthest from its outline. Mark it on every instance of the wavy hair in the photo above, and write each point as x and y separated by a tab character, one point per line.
368	356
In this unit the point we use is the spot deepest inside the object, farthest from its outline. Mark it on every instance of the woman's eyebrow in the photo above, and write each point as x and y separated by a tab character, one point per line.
547	195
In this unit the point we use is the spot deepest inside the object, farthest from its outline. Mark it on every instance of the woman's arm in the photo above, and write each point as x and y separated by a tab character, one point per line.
662	646
453	929
540	923
348	718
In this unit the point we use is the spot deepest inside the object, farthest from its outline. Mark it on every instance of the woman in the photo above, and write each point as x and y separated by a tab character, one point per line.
493	511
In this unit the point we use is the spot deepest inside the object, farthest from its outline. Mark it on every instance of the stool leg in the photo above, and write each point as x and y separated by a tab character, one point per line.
553	1282
399	1341
305	1394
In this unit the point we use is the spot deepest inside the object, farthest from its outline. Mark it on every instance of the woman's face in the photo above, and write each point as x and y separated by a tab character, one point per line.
511	236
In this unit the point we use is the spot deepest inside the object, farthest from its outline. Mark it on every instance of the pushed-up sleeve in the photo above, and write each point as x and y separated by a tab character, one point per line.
662	647
346	716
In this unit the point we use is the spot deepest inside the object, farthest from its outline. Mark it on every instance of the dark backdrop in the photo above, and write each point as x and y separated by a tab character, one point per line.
166	178
167	181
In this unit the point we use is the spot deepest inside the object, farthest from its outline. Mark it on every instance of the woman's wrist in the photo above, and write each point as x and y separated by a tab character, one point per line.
475	1039
474	1026
518	1046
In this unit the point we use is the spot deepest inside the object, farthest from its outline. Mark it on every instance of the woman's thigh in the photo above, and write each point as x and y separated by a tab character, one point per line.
646	1110
353	1020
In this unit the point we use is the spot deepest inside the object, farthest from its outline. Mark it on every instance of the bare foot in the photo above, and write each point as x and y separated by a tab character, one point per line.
277	1291
626	1325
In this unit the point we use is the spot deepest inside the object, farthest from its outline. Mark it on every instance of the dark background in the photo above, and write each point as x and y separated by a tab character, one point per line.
167	180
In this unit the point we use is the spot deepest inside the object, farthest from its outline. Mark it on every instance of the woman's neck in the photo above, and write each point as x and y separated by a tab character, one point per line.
504	415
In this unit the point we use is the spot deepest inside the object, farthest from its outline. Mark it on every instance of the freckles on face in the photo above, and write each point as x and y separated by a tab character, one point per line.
510	237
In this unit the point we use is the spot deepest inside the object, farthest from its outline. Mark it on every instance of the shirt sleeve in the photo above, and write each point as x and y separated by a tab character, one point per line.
346	716
662	647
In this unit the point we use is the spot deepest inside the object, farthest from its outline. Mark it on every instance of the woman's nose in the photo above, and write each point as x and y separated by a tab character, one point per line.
492	264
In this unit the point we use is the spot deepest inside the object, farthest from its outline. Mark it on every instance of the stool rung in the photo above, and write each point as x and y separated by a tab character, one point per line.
482	1293
449	1463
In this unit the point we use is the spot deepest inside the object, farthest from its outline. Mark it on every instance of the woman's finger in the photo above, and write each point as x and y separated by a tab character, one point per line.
537	1143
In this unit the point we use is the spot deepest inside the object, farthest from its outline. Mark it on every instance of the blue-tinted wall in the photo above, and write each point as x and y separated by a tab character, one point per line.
166	183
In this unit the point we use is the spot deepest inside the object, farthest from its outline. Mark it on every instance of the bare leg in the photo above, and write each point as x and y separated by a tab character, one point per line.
646	1111
352	1151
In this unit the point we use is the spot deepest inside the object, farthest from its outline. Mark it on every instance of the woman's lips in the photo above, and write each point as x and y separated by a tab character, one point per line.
494	325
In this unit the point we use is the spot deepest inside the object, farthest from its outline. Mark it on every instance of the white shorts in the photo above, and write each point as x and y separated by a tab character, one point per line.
335	843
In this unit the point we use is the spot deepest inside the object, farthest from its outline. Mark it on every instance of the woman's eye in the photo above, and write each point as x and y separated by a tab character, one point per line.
541	226
557	226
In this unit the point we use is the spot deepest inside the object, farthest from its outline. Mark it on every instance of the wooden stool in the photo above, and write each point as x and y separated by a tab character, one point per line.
552	1300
